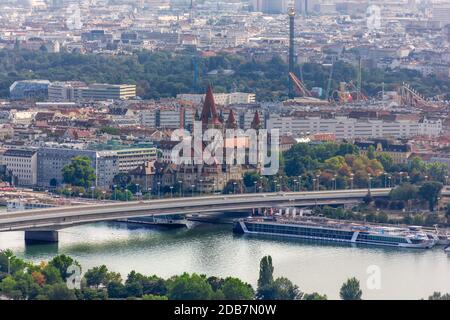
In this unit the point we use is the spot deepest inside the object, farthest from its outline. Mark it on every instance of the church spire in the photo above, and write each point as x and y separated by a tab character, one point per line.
256	122
209	112
231	121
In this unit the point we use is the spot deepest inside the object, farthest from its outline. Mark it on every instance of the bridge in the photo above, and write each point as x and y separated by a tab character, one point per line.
42	224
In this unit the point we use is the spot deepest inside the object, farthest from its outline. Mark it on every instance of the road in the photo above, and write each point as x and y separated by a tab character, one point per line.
63	217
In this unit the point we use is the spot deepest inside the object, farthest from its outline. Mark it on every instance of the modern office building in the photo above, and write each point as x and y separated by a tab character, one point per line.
29	89
74	91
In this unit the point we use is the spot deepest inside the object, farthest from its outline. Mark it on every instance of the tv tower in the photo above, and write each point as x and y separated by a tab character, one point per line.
291	14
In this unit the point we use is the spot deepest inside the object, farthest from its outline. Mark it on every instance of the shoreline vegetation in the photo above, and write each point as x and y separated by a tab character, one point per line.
22	280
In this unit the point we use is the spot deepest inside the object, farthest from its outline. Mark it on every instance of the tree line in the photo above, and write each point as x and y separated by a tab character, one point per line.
23	280
165	74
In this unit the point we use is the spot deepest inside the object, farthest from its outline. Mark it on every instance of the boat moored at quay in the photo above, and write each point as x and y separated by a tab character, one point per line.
324	229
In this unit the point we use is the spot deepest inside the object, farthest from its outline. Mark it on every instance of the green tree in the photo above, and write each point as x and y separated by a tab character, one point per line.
62	263
189	287
79	172
429	191
265	271
371	153
59	291
314	296
116	290
235	289
350	290
97	276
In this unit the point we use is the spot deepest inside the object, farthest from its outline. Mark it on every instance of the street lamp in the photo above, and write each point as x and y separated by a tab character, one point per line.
192	189
115	193
314	184
159	189
255	182
351	180
234	187
171	191
318	182
92	189
181	187
9	265
295	182
201	186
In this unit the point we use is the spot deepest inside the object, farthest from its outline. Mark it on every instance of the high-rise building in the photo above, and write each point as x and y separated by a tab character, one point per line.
441	13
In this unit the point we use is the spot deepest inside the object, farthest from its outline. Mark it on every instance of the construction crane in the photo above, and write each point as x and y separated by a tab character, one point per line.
360	96
301	88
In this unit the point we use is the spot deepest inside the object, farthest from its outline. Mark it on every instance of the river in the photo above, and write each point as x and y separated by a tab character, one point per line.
215	250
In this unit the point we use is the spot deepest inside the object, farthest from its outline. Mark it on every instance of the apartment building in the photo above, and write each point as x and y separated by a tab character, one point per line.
129	159
22	164
51	161
223	99
343	127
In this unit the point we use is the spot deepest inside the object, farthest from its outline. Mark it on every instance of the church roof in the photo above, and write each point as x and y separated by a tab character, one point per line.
209	112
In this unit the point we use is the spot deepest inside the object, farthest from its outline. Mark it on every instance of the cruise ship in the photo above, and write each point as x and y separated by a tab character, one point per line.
323	229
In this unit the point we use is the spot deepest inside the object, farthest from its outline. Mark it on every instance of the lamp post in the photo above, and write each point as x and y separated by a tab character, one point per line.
92	192
181	187
171	191
192	190
351	180
446	180
293	185
275	185
9	265
255	182
115	193
159	189
314	184
318	181
150	192
385	178
390	181
234	187
201	186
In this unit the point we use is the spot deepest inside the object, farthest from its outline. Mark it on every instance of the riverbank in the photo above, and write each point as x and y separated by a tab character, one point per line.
214	250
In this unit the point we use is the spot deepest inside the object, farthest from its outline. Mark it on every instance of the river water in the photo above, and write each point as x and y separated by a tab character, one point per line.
215	250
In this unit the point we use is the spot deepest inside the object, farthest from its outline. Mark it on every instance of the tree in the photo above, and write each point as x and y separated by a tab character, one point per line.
97	276
117	290
350	290
314	296
59	291
265	272
62	263
371	153
79	172
439	296
122	180
235	289
52	275
404	192
189	287
429	191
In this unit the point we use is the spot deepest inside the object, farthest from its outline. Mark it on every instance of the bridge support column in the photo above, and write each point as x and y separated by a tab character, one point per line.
41	236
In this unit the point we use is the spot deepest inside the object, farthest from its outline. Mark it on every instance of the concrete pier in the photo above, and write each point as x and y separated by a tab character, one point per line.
41	236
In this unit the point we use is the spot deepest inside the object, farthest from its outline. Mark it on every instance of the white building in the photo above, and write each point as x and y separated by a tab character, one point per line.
343	127
223	99
23	166
430	128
